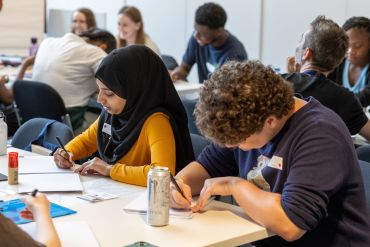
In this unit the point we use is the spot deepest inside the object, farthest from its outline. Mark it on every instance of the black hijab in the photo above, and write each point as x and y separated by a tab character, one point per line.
138	75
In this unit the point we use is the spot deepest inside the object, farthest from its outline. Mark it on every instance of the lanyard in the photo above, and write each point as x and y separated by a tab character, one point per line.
314	73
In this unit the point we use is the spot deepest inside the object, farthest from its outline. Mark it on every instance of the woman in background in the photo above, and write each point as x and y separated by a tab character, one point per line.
82	20
353	73
131	29
143	122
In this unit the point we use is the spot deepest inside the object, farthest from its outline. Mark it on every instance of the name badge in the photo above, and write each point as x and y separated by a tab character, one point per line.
107	128
276	162
211	68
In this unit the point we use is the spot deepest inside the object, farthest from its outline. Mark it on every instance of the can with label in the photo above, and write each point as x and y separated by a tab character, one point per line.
158	196
13	168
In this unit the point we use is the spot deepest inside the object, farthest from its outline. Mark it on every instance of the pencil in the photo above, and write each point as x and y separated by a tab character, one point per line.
177	186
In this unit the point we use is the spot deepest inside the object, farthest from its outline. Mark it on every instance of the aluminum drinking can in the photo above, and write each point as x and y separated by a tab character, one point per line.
158	196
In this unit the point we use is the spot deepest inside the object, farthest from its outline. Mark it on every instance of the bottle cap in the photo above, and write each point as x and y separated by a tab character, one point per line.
13	160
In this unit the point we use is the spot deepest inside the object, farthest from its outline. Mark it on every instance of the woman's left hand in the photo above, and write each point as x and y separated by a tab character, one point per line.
95	165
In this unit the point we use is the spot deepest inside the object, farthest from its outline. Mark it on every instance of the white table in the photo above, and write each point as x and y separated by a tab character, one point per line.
183	87
221	225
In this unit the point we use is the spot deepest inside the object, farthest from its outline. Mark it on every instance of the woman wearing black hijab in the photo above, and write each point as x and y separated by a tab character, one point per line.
143	122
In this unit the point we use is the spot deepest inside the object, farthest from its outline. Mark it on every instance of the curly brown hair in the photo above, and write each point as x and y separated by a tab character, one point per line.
236	101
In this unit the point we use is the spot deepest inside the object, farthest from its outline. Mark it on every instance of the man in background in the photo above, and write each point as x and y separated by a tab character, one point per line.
321	49
210	45
68	64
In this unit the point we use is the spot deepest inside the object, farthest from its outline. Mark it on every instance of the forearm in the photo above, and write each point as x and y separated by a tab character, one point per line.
271	215
129	174
21	71
85	144
194	175
46	233
80	149
365	131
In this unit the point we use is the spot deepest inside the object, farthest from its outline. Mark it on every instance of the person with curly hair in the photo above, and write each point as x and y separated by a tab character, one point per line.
354	72
211	45
276	155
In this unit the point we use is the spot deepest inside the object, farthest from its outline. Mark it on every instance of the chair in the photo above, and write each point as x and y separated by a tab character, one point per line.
365	172
169	62
189	105
36	99
199	143
363	153
30	130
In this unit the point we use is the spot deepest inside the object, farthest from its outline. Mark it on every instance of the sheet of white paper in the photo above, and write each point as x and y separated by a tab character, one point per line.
71	233
139	206
49	182
39	164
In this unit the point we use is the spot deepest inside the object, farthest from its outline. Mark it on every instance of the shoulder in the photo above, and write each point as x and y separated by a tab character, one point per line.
314	119
235	48
150	43
157	119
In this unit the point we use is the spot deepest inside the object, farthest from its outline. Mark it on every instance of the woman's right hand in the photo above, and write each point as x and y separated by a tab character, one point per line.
176	199
37	206
63	159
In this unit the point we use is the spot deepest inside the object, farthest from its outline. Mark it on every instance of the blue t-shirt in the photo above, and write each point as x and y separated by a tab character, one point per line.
313	165
232	49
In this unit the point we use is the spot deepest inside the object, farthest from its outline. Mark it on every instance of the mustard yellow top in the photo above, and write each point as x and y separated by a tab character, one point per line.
155	146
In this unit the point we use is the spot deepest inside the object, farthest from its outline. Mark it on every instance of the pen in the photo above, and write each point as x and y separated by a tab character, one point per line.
61	144
34	192
177	186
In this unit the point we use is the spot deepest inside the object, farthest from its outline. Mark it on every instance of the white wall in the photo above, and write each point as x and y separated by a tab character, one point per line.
269	29
19	21
170	22
285	20
110	7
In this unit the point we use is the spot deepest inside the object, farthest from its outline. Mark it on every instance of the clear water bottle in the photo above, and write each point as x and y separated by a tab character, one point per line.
33	47
3	134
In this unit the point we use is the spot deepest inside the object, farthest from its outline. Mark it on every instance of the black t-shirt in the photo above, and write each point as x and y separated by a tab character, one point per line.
364	95
331	95
312	163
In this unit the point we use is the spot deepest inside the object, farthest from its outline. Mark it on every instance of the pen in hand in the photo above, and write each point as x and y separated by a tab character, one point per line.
61	144
173	180
34	192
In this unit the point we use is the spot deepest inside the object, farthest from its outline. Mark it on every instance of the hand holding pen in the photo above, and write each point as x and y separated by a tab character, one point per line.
62	157
180	197
37	205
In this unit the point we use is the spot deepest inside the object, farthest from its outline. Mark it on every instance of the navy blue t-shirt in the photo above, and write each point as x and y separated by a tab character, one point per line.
313	165
232	49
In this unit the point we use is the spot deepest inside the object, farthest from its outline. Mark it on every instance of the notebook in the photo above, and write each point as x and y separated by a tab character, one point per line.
71	233
50	182
12	208
39	164
139	206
